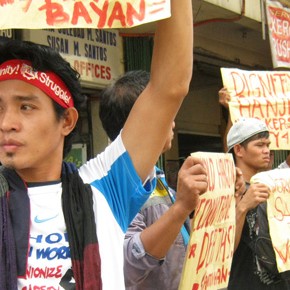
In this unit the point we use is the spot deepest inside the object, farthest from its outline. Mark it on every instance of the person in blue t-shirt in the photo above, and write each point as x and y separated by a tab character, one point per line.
156	241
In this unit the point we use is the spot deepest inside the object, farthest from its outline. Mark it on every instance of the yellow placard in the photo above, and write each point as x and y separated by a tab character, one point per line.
263	95
278	212
211	246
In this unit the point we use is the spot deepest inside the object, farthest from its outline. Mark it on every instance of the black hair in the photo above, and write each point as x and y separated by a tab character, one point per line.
260	135
118	99
44	58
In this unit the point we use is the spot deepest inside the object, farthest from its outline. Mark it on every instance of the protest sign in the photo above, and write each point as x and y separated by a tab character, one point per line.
278	19
211	246
278	213
99	14
263	95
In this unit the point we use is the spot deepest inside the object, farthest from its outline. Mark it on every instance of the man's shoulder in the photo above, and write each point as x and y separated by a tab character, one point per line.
158	197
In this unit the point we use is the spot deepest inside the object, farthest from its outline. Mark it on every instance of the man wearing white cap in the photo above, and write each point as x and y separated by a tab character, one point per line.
248	140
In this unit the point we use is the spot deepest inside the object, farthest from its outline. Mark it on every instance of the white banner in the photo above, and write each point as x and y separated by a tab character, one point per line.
28	14
278	212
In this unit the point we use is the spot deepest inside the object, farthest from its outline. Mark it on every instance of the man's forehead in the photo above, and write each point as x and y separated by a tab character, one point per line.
262	140
16	90
47	81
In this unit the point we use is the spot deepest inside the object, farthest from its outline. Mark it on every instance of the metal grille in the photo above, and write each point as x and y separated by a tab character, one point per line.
138	53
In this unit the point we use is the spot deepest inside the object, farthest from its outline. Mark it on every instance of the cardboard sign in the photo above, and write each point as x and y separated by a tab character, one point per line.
28	14
210	250
263	95
278	211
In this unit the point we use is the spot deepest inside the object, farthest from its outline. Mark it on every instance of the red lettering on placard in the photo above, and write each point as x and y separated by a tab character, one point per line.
284	256
80	12
4	2
259	85
54	13
123	12
192	251
117	14
131	13
216	247
102	13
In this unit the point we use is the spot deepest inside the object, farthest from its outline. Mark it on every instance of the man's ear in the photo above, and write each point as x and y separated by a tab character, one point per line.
70	118
238	150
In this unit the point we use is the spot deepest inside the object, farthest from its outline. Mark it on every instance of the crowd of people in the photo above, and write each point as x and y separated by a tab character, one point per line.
113	223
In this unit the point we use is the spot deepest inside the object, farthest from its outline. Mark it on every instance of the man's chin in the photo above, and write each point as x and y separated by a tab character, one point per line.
9	165
8	162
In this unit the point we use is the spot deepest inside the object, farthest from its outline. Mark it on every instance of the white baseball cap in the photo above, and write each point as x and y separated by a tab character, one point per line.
243	129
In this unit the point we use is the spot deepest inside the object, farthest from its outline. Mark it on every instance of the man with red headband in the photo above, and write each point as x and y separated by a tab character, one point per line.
63	228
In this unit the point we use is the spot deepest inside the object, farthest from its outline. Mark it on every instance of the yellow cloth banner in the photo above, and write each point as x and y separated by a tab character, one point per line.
263	95
28	14
278	211
210	249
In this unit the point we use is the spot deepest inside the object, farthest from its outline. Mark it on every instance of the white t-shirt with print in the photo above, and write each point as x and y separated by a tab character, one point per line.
49	256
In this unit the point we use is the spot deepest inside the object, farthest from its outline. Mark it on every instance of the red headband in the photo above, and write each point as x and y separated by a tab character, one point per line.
48	82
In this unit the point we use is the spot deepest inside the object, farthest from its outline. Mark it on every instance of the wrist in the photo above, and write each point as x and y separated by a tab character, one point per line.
241	208
180	212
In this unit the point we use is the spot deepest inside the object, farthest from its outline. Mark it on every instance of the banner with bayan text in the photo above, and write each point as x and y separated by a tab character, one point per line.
100	14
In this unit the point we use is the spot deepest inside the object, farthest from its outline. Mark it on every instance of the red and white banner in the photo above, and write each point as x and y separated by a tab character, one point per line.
278	18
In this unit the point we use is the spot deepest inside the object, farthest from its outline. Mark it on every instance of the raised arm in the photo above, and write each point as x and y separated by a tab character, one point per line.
224	98
150	120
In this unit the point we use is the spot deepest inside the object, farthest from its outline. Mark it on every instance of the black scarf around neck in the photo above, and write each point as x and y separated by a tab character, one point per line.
77	203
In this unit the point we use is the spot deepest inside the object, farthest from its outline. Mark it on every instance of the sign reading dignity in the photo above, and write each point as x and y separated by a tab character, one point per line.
278	213
83	14
264	95
211	246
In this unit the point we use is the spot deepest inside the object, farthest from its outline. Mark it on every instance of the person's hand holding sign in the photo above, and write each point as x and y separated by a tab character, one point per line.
192	182
224	97
256	194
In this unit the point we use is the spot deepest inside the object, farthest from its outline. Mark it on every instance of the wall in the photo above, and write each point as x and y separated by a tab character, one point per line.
234	43
200	111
